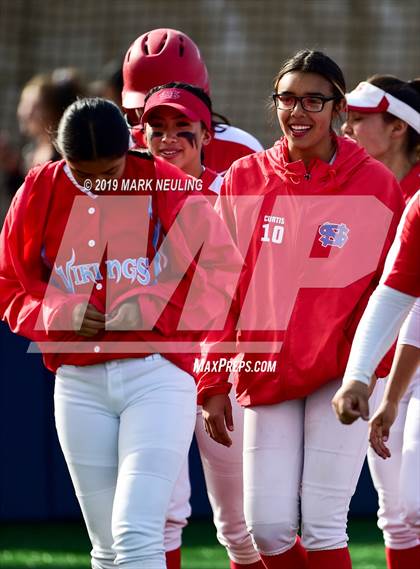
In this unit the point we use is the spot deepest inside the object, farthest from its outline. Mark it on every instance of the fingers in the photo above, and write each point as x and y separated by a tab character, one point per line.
346	410
114	322
229	416
377	438
385	431
94	325
125	317
363	406
215	427
88	322
94	315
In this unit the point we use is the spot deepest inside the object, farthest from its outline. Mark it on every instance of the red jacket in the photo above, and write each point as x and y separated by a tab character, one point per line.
314	244
411	182
402	267
60	247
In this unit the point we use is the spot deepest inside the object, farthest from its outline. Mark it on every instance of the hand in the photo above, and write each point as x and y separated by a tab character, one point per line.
217	416
379	427
351	402
126	317
86	320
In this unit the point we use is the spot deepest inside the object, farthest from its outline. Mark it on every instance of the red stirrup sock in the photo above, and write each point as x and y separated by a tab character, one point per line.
256	565
173	559
403	558
294	558
329	559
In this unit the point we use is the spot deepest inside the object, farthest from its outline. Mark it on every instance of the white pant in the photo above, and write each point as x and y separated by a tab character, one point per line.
300	464
397	479
223	473
125	427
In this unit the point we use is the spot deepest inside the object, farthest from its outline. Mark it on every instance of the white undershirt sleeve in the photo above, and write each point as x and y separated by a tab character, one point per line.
386	311
410	330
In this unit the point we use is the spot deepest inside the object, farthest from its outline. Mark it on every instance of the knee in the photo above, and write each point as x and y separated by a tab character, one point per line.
173	533
102	559
272	538
322	532
238	543
135	545
411	517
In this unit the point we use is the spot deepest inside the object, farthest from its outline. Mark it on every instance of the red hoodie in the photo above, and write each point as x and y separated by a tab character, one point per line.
411	182
314	243
402	267
60	247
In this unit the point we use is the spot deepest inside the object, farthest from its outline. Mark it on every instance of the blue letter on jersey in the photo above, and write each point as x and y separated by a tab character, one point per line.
333	234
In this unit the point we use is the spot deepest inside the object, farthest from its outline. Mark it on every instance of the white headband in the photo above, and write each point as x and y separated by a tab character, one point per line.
368	98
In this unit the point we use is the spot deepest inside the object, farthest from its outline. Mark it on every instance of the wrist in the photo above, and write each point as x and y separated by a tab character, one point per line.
392	399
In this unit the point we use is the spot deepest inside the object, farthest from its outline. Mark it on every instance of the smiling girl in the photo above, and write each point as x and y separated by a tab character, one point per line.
178	128
314	255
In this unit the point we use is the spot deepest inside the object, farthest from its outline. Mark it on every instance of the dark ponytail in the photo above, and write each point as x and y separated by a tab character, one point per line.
91	129
310	61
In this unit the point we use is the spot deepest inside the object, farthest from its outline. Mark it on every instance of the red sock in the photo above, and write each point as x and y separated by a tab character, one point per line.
403	558
329	559
256	565
294	558
173	559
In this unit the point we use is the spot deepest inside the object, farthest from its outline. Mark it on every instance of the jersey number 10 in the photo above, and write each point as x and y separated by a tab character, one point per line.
276	235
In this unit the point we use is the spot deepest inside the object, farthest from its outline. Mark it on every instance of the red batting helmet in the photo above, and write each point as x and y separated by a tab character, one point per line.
157	57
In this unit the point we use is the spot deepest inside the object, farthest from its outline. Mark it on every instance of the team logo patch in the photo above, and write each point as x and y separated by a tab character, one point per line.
170	94
333	234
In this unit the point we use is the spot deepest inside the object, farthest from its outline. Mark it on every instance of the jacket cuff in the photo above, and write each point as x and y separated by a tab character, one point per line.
206	392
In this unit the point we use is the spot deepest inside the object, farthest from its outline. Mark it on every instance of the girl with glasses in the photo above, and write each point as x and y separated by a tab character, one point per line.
314	216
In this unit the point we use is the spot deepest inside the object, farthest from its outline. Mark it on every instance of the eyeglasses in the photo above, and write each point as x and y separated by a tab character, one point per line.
308	103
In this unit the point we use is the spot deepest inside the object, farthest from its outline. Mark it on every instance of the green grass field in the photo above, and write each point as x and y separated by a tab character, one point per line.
65	546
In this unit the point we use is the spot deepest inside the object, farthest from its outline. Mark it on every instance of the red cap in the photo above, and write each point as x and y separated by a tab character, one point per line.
158	57
187	103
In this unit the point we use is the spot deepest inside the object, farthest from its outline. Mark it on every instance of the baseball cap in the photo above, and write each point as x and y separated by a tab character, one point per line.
187	103
367	98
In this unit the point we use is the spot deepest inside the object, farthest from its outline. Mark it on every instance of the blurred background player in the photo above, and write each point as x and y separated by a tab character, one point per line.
109	84
300	466
178	127
388	306
384	118
165	55
43	100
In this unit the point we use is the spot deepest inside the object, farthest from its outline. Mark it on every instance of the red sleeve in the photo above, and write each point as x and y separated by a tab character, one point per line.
23	279
198	246
194	287
402	268
213	381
